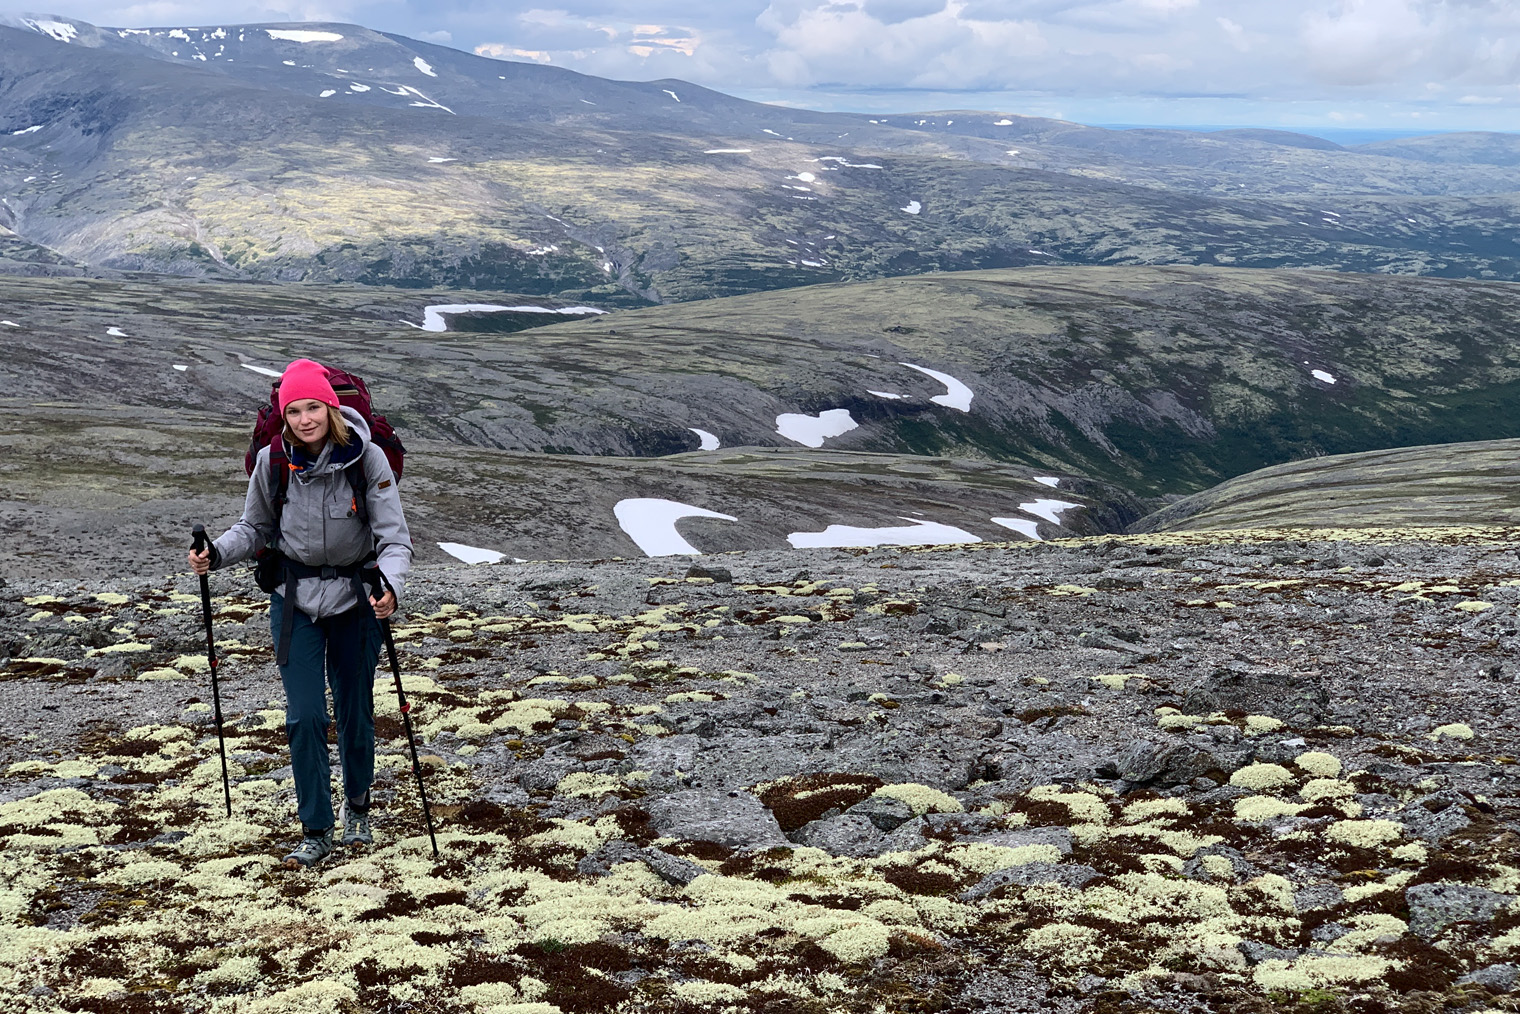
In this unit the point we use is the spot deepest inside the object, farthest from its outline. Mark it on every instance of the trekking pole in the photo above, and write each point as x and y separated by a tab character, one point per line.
198	544
378	585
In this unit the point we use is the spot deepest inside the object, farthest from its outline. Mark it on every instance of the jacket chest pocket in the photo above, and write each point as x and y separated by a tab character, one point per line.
338	511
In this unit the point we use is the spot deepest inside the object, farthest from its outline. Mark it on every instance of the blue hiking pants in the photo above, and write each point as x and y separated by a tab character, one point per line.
341	652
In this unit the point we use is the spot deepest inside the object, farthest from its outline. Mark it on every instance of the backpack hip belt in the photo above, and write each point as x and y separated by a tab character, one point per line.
293	572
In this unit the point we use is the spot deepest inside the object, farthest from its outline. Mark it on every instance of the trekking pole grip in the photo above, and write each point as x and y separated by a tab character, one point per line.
374	579
198	538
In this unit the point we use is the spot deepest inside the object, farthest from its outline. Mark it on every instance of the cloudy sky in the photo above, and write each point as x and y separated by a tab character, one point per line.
1403	64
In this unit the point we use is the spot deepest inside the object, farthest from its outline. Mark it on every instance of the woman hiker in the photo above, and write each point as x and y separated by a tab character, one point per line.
330	627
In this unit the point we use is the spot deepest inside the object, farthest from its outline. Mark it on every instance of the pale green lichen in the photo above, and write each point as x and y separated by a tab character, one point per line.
1365	834
921	798
1260	725
1262	777
1319	764
1455	730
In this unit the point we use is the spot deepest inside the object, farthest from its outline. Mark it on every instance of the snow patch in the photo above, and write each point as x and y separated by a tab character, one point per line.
329	93
1322	375
846	163
727	151
672	94
27	130
1050	510
813	430
423	66
9	323
917	533
888	394
356	87
651	523
60	30
470	554
299	35
116	332
179	33
1048	480
436	159
912	208
709	442
432	316
957	395
261	370
288	63
1004	122
425	103
180	368
1023	526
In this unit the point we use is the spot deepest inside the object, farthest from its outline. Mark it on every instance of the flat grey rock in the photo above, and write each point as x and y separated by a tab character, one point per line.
1319	896
886	812
1065	874
848	834
734	818
1433	907
1499	978
669	868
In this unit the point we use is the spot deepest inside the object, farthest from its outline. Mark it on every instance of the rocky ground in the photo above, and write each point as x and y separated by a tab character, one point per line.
1167	772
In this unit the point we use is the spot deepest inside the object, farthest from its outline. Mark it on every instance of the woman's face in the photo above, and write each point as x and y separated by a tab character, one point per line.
307	421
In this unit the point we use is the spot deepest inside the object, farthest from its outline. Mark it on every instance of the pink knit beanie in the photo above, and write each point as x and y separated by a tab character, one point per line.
306	378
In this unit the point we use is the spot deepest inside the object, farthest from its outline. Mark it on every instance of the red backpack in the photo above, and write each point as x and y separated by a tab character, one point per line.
270	424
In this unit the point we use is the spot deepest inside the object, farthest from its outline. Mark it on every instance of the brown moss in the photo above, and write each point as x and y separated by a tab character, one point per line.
514	822
825	792
573	986
709	850
1418	966
915	881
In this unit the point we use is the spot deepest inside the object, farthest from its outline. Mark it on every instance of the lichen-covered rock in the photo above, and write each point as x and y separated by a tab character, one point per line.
1070	875
888	813
848	834
1433	907
734	818
1500	978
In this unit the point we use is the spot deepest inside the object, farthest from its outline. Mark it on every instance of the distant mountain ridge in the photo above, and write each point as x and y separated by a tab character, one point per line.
329	152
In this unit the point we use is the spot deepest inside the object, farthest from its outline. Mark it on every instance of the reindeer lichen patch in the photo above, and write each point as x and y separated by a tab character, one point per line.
1315	971
1319	764
1083	806
1365	834
1255	808
1262	777
1455	730
1260	725
922	799
1146	809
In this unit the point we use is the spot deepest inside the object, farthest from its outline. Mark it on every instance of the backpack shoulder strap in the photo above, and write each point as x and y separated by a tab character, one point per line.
279	483
358	482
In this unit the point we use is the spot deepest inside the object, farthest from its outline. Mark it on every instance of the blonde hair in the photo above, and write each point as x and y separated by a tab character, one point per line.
337	428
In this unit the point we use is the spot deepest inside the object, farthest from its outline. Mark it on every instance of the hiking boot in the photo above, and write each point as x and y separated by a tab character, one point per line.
314	847
356	828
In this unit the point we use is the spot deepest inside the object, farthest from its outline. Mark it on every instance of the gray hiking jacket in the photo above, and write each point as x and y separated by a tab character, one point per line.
318	526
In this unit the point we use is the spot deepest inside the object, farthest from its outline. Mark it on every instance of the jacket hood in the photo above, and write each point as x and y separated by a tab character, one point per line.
332	457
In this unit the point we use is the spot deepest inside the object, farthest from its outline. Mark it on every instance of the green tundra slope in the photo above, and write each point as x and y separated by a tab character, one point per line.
1405	487
1159	380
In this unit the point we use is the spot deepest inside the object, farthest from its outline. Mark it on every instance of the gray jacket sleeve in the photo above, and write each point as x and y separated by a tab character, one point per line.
393	540
243	539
